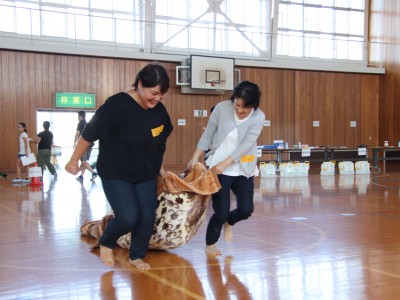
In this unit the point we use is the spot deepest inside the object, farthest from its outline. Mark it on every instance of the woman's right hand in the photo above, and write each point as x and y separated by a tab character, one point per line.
80	147
194	159
192	163
72	167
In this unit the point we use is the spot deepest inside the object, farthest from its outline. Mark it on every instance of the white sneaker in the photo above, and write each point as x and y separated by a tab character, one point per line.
26	180
16	180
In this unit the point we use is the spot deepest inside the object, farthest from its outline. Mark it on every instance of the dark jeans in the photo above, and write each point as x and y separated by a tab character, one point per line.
243	189
134	206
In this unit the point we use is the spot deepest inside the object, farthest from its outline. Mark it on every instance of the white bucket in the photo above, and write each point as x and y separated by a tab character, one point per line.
268	169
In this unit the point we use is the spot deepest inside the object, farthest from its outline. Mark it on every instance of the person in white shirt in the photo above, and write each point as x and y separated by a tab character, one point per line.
24	150
231	135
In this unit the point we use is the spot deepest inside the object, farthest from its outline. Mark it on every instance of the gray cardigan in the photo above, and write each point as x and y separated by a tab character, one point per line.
222	122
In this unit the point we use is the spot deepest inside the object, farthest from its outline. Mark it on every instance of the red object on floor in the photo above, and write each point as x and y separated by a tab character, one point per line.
35	180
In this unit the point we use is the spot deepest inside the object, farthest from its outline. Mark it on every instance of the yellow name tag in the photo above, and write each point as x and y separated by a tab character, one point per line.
157	131
247	158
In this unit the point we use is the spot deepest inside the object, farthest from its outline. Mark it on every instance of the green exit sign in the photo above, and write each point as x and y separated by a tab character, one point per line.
75	100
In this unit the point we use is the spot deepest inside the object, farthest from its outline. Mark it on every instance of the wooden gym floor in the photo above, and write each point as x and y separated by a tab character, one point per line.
317	237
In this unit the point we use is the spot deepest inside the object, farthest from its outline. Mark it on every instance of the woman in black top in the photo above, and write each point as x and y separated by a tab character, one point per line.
45	141
132	128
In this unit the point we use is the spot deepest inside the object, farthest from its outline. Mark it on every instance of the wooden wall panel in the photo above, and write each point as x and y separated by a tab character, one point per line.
333	99
369	122
291	100
5	98
384	24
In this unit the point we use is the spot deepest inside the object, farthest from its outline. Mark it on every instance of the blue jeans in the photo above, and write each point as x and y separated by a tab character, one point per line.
134	206
243	189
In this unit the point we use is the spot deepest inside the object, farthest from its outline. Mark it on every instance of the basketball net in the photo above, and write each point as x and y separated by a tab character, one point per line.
218	85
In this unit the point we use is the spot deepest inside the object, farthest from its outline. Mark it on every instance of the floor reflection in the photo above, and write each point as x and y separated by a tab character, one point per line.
362	182
224	283
348	181
171	279
290	185
317	237
107	289
328	182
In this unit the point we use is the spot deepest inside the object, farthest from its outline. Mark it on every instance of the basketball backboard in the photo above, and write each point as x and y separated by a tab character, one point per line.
211	73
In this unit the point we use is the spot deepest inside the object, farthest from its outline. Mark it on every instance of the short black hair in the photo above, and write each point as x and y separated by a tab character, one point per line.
249	92
152	75
82	114
46	125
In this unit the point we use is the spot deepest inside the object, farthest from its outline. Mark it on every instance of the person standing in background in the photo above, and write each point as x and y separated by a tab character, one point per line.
231	135
24	150
44	140
86	155
132	128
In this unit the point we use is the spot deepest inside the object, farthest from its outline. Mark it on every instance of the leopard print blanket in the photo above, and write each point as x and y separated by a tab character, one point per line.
182	204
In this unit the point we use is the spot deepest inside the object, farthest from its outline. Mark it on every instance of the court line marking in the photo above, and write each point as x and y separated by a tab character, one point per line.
381	272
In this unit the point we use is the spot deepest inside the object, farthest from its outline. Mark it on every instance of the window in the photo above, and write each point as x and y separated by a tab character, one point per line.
303	29
77	24
54	21
115	21
329	29
228	27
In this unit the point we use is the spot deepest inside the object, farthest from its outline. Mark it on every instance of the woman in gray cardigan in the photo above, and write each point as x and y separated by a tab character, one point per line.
231	135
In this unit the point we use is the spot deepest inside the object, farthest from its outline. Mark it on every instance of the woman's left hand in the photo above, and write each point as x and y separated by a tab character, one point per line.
223	165
219	168
162	173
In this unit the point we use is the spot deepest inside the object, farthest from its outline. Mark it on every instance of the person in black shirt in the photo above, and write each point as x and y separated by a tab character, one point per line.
44	140
132	128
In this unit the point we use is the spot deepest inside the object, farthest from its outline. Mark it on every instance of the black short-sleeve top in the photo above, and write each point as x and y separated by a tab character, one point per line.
132	140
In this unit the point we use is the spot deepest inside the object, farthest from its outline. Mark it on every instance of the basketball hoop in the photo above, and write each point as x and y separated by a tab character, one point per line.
218	85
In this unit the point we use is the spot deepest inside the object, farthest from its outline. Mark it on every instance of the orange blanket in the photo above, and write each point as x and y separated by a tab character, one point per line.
180	212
